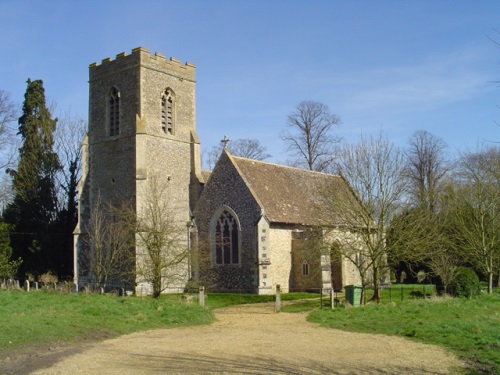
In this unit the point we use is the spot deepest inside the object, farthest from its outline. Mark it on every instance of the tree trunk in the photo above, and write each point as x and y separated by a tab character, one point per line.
490	282
376	285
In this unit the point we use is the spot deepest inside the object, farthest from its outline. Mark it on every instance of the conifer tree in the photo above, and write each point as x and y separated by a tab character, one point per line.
33	211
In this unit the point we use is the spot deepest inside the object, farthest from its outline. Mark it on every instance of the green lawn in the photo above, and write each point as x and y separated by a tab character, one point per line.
43	317
469	327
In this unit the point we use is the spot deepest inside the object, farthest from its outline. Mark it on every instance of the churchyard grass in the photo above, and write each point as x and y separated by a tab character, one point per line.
43	317
49	317
468	327
218	300
403	292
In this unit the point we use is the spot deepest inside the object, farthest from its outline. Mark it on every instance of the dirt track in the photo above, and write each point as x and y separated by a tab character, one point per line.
249	339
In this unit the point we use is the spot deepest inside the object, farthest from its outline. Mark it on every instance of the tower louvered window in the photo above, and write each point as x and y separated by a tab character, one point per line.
114	112
226	240
167	112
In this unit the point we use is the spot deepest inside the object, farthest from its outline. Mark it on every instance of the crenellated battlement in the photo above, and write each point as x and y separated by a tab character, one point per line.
143	54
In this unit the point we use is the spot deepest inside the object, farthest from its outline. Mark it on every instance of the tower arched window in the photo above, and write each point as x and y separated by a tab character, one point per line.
305	268
114	112
226	241
167	111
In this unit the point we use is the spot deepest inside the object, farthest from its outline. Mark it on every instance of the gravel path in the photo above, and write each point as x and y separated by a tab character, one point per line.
252	339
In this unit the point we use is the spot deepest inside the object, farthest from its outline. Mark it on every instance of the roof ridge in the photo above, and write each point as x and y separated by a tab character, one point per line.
244	178
286	166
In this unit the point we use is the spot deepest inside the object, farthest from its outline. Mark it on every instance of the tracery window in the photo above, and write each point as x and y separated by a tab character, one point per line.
226	243
167	112
114	112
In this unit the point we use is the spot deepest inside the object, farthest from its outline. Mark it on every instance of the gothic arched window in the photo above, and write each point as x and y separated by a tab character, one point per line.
114	112
226	238
167	112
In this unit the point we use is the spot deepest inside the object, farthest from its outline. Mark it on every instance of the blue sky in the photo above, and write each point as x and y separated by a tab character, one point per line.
399	66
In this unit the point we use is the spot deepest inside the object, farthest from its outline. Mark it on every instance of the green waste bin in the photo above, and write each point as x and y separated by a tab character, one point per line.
353	294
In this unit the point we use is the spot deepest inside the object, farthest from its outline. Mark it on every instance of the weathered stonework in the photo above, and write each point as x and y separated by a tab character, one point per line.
272	252
117	167
345	273
226	188
276	209
280	241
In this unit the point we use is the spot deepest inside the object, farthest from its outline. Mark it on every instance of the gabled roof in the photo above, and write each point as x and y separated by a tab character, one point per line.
290	195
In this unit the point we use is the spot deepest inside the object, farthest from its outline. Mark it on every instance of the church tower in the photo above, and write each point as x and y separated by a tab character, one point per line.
142	127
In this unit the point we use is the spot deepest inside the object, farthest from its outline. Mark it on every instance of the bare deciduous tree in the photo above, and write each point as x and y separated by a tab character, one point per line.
68	138
243	147
444	264
106	256
374	168
426	168
477	210
161	239
8	144
310	140
420	238
419	234
8	117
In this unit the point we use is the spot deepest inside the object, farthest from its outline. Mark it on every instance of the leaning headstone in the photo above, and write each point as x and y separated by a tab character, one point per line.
102	290
36	285
27	285
17	286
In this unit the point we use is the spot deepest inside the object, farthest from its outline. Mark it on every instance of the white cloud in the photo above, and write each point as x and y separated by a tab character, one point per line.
430	84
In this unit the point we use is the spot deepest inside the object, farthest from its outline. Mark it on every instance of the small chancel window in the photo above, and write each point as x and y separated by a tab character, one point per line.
305	268
114	112
167	112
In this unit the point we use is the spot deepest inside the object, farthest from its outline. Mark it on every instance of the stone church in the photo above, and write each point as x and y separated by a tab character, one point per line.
249	225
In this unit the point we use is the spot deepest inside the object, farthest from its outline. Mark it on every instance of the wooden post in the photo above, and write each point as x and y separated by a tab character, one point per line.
202	296
277	304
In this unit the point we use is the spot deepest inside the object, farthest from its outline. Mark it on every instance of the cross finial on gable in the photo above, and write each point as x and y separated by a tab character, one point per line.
225	142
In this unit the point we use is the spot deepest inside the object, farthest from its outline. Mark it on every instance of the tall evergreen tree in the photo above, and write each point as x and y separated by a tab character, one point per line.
34	211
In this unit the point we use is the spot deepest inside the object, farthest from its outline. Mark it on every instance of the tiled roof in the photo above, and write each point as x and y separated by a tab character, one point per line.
291	195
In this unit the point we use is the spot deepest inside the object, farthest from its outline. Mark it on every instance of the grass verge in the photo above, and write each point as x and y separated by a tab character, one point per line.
469	327
42	317
218	300
45	317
